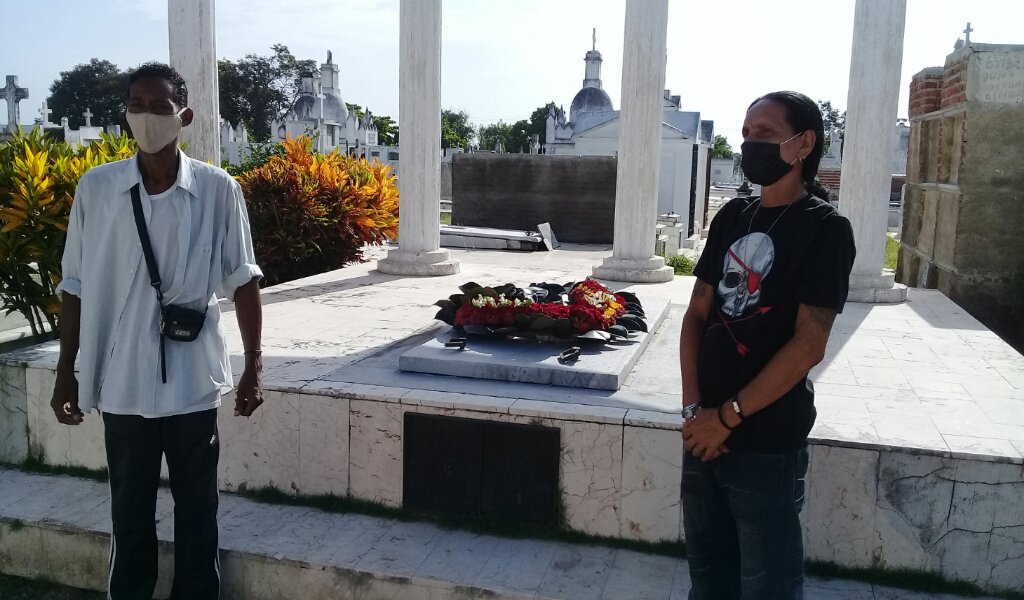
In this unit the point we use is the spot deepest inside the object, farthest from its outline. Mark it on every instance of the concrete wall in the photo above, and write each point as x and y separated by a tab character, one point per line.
675	167
446	181
963	224
723	171
576	194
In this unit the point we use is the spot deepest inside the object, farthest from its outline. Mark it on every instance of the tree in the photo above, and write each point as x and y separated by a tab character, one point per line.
833	120
355	108
387	129
456	130
721	148
98	86
539	121
256	90
514	137
831	116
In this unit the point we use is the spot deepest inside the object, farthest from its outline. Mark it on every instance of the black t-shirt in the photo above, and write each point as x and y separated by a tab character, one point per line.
762	263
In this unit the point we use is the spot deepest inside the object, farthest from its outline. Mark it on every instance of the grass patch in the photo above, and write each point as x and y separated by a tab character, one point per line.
446	218
16	588
892	253
33	464
907	579
682	265
483	525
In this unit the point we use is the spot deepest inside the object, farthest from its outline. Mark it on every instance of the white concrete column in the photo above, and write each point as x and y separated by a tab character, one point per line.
191	26
871	111
636	184
419	249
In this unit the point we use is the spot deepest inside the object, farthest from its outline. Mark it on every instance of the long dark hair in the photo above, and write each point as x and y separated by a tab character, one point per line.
802	114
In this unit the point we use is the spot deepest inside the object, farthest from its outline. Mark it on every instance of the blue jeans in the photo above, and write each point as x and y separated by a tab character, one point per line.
742	524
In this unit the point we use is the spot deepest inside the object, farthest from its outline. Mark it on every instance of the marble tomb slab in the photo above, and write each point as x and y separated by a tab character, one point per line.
602	367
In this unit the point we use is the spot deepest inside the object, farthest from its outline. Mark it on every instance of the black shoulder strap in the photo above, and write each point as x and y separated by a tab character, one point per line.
154	274
147	249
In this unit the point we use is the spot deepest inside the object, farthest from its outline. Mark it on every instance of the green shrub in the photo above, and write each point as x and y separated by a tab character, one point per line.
892	253
38	177
682	264
312	213
257	155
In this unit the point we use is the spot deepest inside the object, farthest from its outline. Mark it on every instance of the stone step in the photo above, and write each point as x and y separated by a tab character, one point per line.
59	528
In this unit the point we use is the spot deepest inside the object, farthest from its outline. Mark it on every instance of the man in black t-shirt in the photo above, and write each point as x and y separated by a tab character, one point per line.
773	275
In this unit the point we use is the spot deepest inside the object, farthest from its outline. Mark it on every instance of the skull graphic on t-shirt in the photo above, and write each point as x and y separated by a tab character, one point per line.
747	263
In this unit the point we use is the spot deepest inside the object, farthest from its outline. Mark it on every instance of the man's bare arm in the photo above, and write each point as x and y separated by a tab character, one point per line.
690	336
65	391
249	312
791	363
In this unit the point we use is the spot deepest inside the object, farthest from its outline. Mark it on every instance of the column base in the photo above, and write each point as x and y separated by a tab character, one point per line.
877	289
434	263
648	270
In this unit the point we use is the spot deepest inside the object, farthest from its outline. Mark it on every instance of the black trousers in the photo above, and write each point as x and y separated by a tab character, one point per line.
134	448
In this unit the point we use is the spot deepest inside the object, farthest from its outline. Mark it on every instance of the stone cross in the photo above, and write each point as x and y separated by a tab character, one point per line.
13	94
64	122
967	32
45	113
88	117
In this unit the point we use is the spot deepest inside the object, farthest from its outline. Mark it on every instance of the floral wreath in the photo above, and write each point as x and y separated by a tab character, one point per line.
544	310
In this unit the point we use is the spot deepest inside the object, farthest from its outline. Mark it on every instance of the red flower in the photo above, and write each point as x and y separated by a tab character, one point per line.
555	310
585	318
591	306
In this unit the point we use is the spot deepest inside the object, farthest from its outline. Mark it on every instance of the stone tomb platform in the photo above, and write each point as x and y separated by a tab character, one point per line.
600	366
916	457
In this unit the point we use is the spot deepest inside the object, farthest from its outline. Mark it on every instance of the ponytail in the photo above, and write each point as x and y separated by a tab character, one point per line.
815	188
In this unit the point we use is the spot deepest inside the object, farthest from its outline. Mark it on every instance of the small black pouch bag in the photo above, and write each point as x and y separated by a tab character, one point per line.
181	324
177	323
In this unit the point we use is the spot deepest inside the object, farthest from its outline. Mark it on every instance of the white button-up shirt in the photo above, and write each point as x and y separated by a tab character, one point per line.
119	355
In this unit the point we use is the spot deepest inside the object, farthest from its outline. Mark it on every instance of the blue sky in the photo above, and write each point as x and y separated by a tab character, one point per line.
502	59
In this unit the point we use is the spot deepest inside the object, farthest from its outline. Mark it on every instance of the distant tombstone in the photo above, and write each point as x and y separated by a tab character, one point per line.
835	144
13	94
65	123
45	113
113	129
88	117
550	241
535	144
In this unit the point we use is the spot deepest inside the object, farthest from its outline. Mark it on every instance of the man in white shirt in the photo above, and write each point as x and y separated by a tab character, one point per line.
158	396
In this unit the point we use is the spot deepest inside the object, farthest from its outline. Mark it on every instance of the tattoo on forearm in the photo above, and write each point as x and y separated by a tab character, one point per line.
823	317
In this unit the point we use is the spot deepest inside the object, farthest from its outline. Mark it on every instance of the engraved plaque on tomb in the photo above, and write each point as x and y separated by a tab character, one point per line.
480	468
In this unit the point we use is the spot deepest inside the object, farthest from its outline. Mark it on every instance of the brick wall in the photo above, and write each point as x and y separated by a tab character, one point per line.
830	179
925	91
954	81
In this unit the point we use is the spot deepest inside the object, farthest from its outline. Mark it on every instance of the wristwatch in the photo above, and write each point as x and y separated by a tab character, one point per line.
736	406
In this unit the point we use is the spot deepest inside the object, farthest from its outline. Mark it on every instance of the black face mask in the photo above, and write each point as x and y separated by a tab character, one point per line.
762	161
